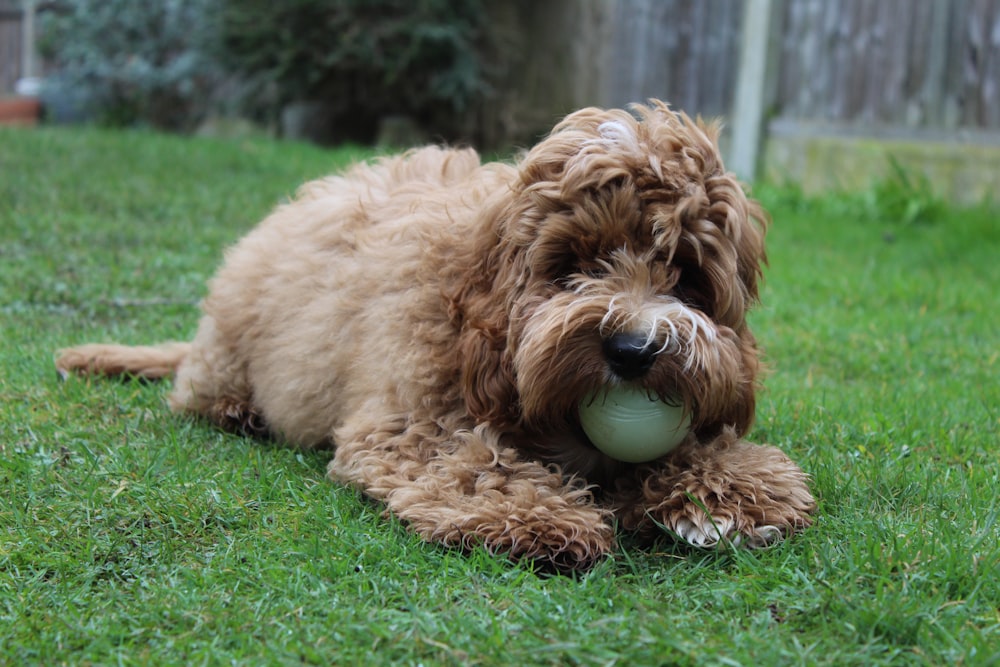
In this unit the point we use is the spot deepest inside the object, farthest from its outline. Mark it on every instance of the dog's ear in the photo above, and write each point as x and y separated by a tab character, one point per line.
481	301
744	221
745	224
487	375
742	410
751	256
736	407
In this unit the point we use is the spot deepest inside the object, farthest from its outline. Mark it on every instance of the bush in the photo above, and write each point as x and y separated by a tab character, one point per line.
165	63
134	62
367	59
904	197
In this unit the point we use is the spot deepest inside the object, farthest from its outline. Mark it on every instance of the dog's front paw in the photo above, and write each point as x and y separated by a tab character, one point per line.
554	531
570	539
467	491
725	492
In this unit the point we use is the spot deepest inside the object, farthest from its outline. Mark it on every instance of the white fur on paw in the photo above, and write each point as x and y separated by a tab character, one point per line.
707	532
762	536
710	532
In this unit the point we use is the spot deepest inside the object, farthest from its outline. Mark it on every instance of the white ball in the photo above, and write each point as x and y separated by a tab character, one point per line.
628	425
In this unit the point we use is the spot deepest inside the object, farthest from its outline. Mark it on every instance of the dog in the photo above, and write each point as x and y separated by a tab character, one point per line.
437	321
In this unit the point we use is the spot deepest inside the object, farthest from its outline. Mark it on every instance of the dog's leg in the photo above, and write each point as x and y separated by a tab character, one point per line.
728	490
465	489
198	388
151	362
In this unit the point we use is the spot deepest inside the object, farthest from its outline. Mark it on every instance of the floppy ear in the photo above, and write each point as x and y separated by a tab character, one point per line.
481	306
487	373
735	406
745	223
748	222
751	255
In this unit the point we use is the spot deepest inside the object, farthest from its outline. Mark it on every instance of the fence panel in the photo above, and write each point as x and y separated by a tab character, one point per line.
891	62
681	51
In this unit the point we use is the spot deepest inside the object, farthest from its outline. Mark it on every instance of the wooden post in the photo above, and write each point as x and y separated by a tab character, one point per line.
749	106
28	40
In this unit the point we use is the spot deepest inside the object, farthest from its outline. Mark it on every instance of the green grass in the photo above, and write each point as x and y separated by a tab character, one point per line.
131	536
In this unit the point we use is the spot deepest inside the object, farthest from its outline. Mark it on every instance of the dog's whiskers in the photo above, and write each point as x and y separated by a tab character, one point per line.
613	320
668	315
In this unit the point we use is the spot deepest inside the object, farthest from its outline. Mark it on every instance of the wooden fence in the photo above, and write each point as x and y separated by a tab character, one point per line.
913	70
922	63
908	63
682	50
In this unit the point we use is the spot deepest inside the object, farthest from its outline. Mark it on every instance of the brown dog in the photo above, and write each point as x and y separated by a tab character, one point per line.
438	321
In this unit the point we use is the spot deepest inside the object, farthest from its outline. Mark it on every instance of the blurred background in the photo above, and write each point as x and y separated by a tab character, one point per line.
824	93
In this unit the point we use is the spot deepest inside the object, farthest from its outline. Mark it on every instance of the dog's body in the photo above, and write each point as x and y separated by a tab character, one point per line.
437	321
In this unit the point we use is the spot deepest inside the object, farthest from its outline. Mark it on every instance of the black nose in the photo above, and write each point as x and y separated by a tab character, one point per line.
628	355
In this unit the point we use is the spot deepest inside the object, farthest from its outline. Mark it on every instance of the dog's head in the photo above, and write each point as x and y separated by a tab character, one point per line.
624	253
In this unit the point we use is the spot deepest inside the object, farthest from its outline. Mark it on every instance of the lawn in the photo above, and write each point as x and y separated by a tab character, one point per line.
132	536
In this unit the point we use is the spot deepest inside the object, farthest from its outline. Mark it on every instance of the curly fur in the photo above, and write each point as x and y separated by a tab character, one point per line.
437	321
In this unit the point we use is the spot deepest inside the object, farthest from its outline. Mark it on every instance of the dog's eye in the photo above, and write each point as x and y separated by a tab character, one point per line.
694	289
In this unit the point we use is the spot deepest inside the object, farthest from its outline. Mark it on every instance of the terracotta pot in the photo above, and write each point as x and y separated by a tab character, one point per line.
19	110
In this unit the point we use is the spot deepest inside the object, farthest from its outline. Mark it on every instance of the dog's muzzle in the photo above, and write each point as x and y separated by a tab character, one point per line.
629	355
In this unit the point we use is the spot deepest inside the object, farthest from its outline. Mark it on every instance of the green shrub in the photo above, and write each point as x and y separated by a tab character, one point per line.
167	64
365	58
904	197
901	197
133	62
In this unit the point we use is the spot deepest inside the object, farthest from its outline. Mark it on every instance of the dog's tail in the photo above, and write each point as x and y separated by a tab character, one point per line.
149	362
